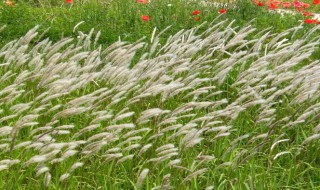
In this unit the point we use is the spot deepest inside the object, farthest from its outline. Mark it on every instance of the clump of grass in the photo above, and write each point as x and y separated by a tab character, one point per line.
209	107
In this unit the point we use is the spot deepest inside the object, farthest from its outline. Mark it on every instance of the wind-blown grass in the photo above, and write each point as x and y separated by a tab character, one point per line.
208	109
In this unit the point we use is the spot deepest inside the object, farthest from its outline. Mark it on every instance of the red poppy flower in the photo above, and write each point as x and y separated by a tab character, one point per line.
273	6
145	17
196	12
68	1
286	4
297	4
275	2
305	5
222	11
142	1
258	3
310	21
307	14
197	18
316	2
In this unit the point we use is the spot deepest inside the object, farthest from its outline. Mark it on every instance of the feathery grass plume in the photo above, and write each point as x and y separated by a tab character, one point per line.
146	115
86	129
131	147
141	178
8	117
36	159
40	129
167	151
75	166
120	126
183	130
144	149
205	157
168	121
94	147
69	153
44	138
278	142
4	147
47	179
155	136
6	130
42	170
161	159
164	147
219	129
316	129
170	128
223	165
195	174
9	162
174	162
109	157
64	177
112	150
104	135
129	140
4	167
311	138
134	132
125	158
280	154
209	188
123	116
30	145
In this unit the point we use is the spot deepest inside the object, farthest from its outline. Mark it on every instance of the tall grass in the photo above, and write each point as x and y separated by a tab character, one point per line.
209	108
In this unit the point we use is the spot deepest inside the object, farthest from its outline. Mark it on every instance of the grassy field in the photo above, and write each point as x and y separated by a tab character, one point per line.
230	101
122	18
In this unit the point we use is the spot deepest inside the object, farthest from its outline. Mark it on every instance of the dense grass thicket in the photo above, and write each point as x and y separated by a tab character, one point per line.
179	101
207	109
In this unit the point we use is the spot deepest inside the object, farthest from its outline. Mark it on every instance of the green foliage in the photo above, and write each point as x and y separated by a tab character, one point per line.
121	19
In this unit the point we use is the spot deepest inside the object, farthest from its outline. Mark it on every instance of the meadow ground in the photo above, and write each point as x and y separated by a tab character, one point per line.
225	98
